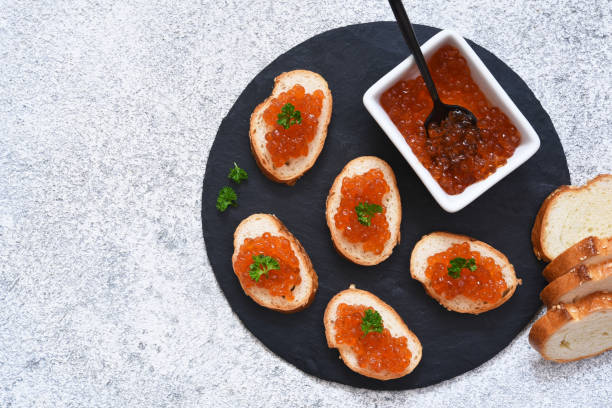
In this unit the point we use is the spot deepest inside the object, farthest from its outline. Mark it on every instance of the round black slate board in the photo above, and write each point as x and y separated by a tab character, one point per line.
351	59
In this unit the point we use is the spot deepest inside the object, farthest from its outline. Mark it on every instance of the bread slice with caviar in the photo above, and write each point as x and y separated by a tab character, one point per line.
438	242
570	332
570	214
579	282
294	168
588	251
380	317
261	266
390	207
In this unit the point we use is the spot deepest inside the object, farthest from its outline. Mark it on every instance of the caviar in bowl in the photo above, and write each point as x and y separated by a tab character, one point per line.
456	165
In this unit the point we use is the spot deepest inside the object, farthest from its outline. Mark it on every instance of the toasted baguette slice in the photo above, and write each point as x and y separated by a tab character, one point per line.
574	331
437	242
391	320
578	283
570	214
295	168
391	203
588	251
304	293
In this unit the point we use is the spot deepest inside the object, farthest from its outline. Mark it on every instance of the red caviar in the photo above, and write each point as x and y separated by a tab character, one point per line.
279	282
485	284
369	187
374	351
455	158
285	144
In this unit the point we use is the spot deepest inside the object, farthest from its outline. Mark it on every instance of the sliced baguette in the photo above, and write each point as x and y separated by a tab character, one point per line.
295	168
574	331
588	251
391	321
391	202
437	242
304	293
581	281
570	214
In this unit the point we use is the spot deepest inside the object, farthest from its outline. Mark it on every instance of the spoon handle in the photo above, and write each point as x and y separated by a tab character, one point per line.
406	28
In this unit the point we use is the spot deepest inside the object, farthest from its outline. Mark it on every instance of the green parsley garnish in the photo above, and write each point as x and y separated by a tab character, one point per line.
365	212
289	116
261	265
371	322
237	174
457	264
227	196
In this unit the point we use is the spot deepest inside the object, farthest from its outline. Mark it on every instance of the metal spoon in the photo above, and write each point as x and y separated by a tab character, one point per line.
440	109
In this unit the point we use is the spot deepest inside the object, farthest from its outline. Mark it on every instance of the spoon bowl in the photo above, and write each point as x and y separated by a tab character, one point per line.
442	113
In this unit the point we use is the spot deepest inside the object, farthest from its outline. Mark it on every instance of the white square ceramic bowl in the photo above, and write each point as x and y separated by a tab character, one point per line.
407	69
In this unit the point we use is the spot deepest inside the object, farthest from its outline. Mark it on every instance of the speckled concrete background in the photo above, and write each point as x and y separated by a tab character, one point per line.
107	114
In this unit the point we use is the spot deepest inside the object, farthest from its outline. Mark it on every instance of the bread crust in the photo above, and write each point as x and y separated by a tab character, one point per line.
560	315
336	234
536	232
384	309
575	255
476	309
542	221
325	117
578	276
300	253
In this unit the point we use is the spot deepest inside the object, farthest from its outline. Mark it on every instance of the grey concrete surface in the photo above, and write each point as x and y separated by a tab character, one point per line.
107	113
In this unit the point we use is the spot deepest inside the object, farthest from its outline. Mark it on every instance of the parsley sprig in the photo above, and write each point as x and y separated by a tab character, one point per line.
457	264
371	322
227	196
261	266
365	212
237	174
289	116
